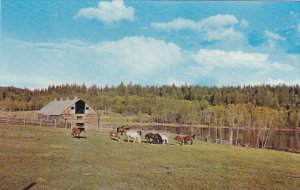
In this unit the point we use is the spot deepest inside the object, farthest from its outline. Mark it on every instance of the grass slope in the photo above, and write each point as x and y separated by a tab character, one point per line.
48	158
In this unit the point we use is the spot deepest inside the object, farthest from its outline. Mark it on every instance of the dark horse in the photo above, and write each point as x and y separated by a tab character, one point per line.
156	138
185	139
76	131
122	129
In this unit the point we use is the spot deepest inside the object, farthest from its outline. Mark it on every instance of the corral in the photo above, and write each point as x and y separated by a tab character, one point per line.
48	158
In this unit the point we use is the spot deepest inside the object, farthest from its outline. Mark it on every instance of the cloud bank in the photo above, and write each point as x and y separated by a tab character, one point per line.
136	59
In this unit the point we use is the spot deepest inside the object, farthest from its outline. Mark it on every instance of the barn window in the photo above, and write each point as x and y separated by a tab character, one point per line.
79	107
79	117
80	125
87	108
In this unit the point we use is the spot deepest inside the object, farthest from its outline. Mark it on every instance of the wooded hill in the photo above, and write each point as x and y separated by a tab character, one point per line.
247	106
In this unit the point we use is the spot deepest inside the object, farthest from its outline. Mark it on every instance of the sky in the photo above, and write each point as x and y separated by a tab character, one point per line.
149	42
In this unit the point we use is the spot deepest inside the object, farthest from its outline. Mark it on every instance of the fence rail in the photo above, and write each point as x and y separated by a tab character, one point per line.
27	121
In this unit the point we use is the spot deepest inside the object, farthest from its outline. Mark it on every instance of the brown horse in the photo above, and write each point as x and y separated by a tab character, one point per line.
114	135
76	131
122	129
182	140
189	138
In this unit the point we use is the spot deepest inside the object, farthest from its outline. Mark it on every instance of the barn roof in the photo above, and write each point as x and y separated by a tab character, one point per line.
57	107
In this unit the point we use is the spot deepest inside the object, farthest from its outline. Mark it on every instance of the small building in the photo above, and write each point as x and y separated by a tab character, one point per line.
75	112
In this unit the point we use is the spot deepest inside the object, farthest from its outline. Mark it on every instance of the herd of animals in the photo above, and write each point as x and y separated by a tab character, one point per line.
135	136
155	138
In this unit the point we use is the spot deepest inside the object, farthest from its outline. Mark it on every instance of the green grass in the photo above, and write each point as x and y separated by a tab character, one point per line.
112	117
52	159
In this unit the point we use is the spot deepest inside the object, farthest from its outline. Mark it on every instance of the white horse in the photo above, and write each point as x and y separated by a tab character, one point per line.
164	138
133	134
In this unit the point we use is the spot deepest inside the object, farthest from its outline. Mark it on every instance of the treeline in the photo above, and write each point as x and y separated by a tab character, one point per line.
247	106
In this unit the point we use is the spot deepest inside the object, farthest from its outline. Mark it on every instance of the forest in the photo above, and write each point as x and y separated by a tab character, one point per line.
257	106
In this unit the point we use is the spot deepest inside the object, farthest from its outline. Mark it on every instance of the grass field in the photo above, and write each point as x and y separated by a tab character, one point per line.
48	158
111	117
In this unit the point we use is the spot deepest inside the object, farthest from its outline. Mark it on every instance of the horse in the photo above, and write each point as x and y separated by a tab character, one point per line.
180	139
76	131
164	138
114	135
189	138
122	129
156	138
133	134
185	139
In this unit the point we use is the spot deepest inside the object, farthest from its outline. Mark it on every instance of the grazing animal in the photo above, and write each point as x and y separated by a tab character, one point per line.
114	135
76	131
139	132
153	138
164	139
189	138
134	135
182	140
122	129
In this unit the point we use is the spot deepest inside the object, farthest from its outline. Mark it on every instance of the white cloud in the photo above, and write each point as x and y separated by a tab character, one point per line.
273	36
217	21
278	81
273	39
222	34
107	12
275	81
176	24
236	59
213	28
135	59
244	23
298	27
220	27
139	53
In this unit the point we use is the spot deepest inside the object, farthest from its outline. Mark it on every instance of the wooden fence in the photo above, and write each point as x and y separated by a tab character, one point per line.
28	121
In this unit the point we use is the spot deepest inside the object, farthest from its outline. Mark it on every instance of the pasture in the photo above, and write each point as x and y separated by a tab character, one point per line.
49	158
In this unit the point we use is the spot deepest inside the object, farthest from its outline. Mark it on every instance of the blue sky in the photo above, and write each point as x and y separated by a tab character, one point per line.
154	43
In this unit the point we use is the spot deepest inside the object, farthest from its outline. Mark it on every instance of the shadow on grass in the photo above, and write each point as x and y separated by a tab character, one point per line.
113	139
147	142
30	186
79	137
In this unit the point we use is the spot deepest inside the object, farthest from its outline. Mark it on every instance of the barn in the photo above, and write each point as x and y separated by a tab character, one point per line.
70	112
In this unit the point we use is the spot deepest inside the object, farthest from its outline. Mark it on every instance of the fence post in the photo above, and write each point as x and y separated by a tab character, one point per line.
47	122
41	120
55	123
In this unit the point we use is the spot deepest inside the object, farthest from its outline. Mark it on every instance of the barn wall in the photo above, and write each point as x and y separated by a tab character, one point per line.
90	118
